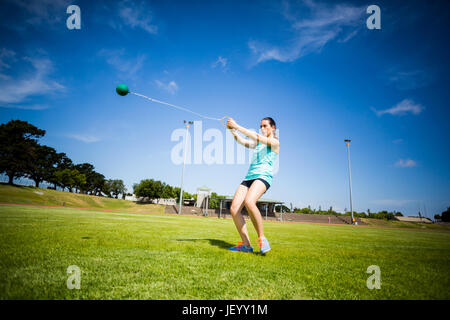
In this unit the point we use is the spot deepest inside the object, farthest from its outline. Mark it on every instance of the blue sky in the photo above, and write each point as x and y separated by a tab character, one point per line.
313	66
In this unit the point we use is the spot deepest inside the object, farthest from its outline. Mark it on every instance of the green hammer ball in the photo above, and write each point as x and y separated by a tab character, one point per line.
122	89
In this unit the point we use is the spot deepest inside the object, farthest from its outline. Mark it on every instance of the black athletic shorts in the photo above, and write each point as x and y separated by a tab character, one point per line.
248	183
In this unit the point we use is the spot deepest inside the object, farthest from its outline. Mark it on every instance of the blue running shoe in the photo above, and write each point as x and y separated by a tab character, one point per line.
241	247
263	244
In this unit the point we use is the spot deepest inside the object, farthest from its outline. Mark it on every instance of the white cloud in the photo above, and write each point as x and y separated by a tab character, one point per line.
326	16
137	15
408	80
222	63
170	87
16	90
349	36
6	58
86	138
127	66
402	108
311	34
406	163
26	107
267	52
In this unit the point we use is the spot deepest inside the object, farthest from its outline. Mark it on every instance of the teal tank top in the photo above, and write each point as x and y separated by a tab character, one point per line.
261	166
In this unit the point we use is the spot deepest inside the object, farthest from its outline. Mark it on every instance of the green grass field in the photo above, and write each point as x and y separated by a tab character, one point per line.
138	255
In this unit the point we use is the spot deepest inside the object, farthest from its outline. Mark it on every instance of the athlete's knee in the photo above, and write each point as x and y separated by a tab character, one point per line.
249	203
234	210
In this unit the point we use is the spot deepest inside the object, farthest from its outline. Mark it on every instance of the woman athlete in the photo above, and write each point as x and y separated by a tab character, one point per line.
256	182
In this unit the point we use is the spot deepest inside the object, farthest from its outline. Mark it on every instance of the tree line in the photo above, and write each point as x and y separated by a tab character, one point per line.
444	216
21	155
384	215
155	189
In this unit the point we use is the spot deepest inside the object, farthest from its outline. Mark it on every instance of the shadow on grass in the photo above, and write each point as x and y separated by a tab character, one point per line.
214	242
219	243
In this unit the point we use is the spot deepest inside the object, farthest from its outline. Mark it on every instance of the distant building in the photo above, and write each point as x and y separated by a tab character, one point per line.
188	202
414	219
203	195
131	198
170	201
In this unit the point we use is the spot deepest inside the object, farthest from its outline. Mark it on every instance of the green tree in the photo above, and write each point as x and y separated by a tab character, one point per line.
69	178
213	203
146	189
186	195
62	162
168	192
79	180
304	210
18	140
445	216
42	163
107	188
285	209
88	170
117	187
97	181
158	189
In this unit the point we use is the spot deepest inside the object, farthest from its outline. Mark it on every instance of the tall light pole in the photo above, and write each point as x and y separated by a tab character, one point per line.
347	143
184	163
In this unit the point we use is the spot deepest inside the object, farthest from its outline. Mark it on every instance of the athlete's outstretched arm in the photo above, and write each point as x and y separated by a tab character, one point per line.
245	142
252	134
